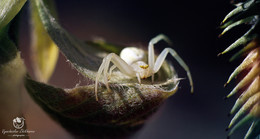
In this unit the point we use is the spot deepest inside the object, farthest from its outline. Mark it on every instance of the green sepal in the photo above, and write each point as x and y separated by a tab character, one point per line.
241	41
245	96
248	60
254	130
231	14
247	79
247	119
250	46
246	107
245	10
242	21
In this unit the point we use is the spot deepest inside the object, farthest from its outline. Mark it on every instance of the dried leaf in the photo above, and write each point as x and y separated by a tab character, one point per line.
117	114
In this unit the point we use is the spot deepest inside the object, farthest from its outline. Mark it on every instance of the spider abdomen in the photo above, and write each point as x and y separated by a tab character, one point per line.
132	54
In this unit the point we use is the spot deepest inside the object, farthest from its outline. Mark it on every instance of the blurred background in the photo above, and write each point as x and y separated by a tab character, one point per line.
193	28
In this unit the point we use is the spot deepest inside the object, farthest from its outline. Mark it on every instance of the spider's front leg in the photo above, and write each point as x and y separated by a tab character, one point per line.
119	63
161	58
151	51
155	66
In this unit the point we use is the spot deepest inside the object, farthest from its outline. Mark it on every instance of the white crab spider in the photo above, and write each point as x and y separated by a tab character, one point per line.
131	63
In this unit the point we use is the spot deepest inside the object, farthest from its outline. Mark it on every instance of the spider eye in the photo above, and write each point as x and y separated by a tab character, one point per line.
144	66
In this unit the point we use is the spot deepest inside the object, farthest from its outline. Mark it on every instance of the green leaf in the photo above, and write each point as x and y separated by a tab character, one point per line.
8	10
44	51
85	58
8	49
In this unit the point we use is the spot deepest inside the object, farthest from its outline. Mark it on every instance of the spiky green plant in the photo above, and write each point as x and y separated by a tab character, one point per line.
247	106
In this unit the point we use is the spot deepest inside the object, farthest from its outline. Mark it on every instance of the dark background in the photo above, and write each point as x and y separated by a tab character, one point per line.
193	28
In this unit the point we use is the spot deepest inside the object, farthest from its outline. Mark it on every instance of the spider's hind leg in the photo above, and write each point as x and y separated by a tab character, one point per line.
100	71
119	63
106	75
110	71
103	69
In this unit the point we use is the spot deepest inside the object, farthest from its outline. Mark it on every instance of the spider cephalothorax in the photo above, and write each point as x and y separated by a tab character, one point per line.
132	63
